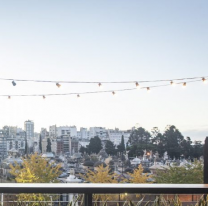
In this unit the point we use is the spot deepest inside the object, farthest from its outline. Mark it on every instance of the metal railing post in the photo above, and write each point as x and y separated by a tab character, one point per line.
88	199
206	161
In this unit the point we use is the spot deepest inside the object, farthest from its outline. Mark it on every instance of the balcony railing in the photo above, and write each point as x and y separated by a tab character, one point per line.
88	189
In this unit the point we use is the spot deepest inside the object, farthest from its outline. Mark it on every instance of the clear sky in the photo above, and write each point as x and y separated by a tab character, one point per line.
105	41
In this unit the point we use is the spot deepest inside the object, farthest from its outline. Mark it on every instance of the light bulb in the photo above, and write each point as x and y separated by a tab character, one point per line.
137	85
58	85
172	83
13	83
44	97
204	80
78	95
148	89
113	93
99	84
9	97
184	84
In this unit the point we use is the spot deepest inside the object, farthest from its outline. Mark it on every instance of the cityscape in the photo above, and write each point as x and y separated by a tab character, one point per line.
103	103
80	156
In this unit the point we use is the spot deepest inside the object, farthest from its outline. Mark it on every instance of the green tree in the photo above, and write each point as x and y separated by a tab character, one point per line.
139	135
198	149
135	150
110	148
139	141
173	139
35	169
40	143
83	150
158	140
26	146
121	146
95	145
187	148
48	148
188	174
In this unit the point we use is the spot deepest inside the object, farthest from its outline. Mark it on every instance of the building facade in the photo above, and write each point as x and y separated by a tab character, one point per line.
29	129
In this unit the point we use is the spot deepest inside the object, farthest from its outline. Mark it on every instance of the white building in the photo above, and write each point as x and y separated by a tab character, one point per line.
55	131
101	132
115	136
52	131
16	142
83	133
29	129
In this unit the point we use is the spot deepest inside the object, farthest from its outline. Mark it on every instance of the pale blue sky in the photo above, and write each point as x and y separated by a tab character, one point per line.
105	41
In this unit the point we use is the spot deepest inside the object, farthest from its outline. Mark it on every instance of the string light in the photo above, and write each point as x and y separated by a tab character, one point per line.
137	85
106	91
204	80
172	83
58	85
13	83
107	82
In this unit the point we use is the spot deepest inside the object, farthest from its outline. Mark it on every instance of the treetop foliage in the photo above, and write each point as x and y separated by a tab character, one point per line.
35	169
138	176
101	175
187	174
171	141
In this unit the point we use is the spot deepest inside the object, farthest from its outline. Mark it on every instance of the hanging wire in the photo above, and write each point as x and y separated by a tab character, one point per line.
96	92
100	82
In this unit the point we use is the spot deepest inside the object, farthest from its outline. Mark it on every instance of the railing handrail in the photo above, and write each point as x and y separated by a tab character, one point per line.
94	188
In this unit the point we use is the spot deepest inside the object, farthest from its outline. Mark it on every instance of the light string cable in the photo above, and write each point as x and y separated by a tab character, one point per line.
104	82
95	92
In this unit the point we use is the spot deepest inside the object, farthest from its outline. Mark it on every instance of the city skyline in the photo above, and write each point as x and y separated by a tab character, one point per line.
198	137
105	41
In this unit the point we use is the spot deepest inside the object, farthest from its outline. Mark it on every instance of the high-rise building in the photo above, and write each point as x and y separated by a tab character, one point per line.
3	144
29	129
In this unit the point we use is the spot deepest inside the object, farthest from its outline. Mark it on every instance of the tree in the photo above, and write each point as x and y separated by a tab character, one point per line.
95	145
139	135
158	140
35	169
110	148
40	143
121	146
48	148
198	149
26	146
138	176
187	174
173	140
83	150
139	141
100	175
186	147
